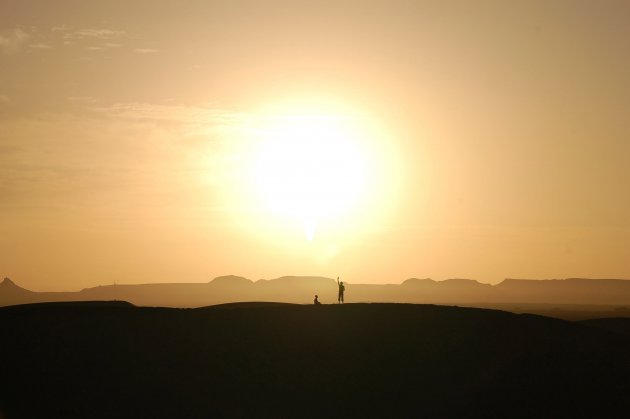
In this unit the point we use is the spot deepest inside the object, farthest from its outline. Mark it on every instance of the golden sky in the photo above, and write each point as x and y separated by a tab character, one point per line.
162	141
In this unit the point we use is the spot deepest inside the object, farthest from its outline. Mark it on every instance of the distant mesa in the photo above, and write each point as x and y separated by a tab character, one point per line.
453	282
418	281
462	281
298	280
231	280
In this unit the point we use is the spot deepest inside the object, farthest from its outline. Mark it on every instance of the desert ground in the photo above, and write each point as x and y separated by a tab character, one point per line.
113	359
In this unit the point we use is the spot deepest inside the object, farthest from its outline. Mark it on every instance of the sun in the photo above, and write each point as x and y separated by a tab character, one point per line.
307	176
310	167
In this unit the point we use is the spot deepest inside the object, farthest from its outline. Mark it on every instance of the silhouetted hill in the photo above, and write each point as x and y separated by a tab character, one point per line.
10	293
231	280
283	360
8	289
602	295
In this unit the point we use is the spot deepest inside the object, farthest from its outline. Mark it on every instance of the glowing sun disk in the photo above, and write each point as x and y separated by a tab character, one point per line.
310	168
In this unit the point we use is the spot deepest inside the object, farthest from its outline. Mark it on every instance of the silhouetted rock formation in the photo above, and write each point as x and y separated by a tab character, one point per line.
8	287
10	293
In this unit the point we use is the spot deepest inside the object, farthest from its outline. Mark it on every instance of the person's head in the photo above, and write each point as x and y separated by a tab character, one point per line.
341	282
316	297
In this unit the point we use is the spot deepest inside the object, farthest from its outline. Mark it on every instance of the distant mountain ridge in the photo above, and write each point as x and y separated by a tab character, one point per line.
301	289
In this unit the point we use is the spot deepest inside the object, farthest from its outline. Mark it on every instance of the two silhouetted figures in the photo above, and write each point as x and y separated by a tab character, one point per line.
342	289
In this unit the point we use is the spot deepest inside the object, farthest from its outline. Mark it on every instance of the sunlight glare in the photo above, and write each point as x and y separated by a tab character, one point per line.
310	168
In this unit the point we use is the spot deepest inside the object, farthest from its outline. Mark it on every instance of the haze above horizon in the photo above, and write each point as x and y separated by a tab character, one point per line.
152	141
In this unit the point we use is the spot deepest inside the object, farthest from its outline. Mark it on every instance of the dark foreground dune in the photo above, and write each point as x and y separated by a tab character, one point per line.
280	360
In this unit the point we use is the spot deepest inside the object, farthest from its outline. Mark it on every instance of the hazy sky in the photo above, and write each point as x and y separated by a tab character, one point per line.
498	136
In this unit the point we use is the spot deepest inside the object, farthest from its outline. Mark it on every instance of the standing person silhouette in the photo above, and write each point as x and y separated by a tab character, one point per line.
342	288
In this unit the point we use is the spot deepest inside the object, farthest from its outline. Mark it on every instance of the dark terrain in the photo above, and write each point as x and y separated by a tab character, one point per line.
111	359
